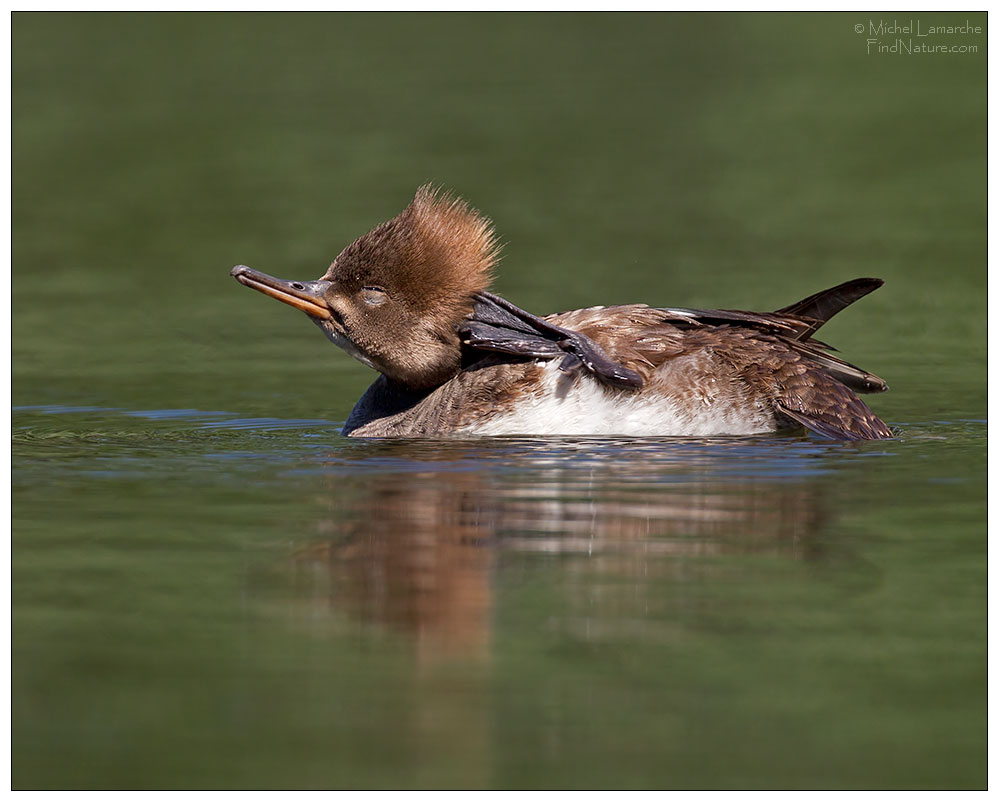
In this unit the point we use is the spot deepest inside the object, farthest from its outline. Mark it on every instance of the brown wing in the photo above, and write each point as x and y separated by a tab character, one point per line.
795	324
808	395
800	382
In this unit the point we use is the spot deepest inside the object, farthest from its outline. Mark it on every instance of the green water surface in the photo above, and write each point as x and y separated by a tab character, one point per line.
213	588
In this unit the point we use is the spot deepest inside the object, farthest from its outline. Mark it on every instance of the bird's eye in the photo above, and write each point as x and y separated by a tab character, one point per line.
374	296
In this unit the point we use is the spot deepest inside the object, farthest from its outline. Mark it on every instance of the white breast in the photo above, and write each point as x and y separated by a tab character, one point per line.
567	405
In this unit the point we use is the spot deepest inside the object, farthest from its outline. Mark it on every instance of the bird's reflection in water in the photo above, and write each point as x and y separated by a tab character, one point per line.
410	552
417	537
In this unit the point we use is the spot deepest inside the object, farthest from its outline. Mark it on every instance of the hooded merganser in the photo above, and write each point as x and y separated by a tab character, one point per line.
409	299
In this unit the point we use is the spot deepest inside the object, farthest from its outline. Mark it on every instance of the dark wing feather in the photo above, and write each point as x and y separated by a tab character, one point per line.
771	323
497	325
855	378
486	337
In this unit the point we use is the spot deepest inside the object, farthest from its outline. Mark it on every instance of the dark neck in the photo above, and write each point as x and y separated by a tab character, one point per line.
384	404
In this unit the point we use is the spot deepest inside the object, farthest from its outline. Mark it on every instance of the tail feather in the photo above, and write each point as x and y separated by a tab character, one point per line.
822	306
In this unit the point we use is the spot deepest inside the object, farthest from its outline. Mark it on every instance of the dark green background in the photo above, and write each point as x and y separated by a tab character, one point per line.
174	435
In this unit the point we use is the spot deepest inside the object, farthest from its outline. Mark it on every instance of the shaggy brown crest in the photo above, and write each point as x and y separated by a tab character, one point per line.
434	256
